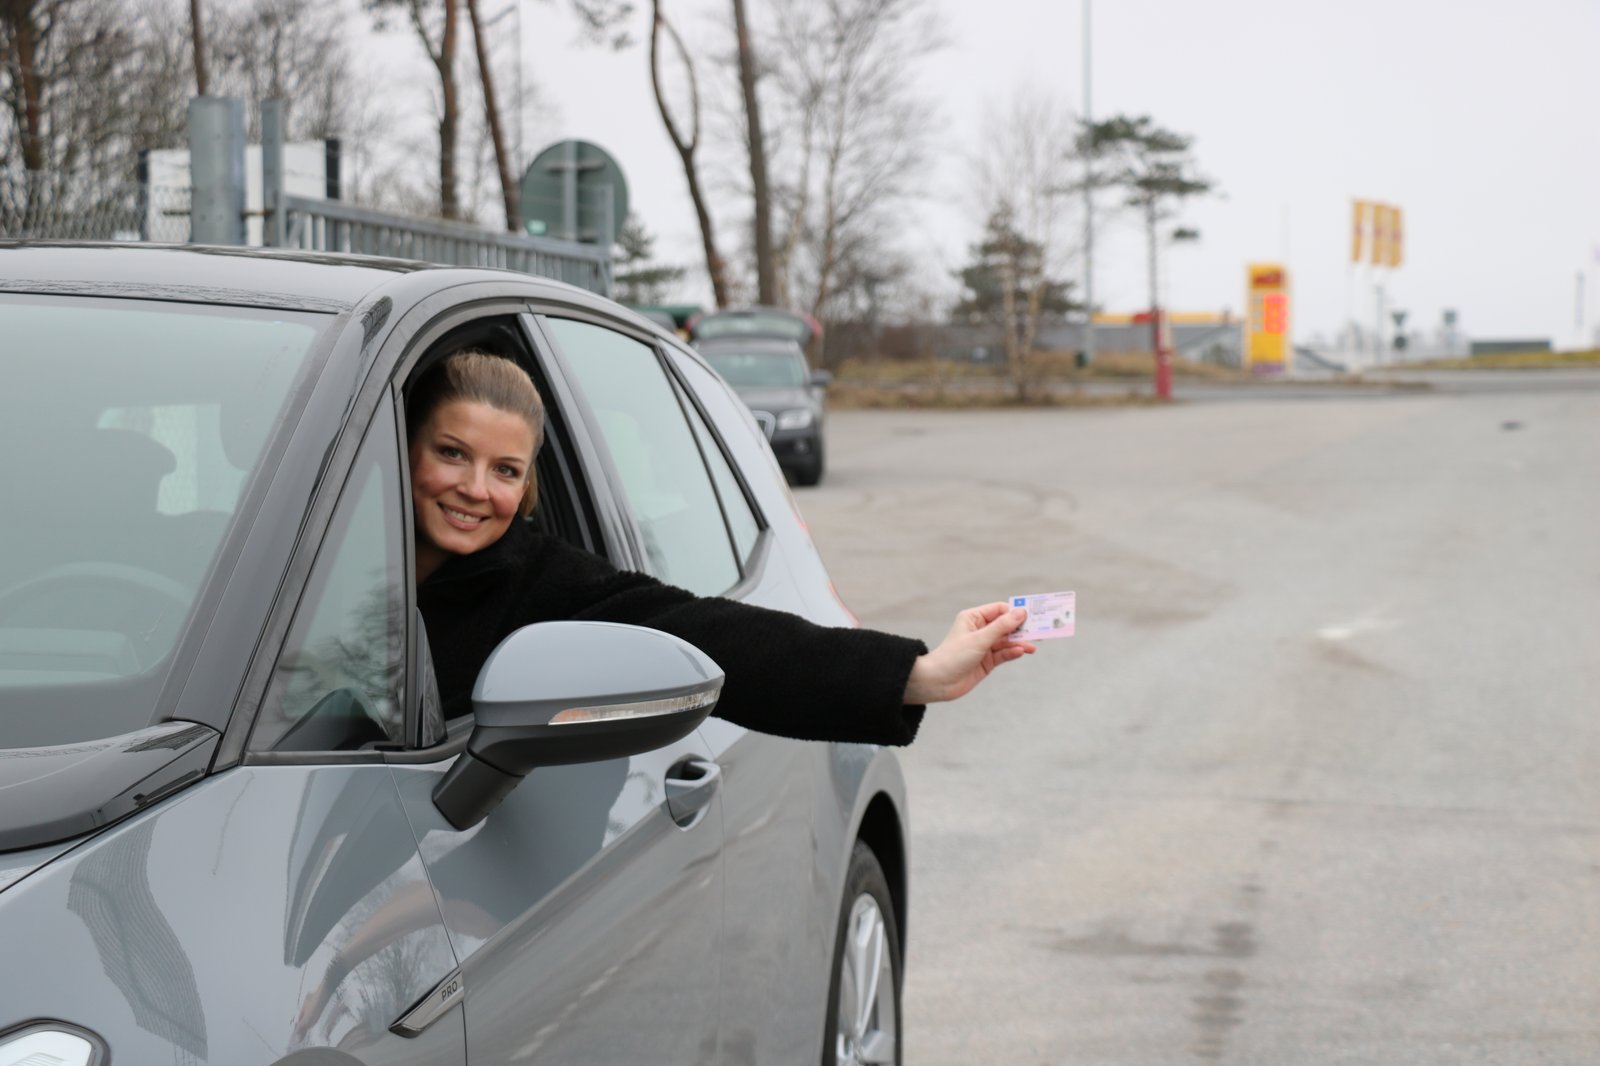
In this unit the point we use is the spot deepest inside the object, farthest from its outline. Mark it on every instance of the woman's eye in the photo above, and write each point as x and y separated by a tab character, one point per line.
450	452
509	471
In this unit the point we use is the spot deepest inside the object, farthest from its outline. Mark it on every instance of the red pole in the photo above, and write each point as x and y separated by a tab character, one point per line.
1163	357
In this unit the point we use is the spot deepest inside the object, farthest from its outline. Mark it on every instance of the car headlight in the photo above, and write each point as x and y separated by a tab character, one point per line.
795	418
51	1044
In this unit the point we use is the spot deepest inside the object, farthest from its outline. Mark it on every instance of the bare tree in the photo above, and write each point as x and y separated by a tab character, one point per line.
26	26
844	87
761	198
508	184
434	22
197	35
1023	178
687	144
293	51
68	67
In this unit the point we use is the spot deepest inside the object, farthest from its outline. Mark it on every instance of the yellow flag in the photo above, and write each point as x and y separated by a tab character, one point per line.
1396	238
1358	228
1380	234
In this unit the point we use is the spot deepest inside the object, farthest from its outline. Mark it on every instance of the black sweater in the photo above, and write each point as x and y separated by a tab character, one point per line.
785	675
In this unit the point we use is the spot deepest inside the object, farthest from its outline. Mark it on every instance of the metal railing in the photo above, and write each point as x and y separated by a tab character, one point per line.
331	226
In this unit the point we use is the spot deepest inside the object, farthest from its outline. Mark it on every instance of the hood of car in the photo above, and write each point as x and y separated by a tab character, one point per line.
52	795
16	865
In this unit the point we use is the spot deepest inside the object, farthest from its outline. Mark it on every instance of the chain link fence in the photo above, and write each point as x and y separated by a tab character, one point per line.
48	206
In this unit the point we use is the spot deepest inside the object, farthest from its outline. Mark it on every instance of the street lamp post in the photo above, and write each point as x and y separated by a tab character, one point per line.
1088	205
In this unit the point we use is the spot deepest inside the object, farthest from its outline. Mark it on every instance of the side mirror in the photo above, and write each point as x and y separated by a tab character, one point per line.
821	379
566	692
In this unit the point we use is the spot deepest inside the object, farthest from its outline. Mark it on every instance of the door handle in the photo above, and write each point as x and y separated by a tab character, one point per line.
691	784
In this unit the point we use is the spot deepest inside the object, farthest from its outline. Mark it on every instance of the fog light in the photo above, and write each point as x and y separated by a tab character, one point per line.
51	1044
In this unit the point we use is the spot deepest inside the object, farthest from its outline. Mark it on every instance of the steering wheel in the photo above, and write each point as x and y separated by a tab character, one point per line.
141	604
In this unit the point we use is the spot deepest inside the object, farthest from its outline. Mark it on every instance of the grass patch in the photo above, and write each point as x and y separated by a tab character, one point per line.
974	395
1512	361
1043	367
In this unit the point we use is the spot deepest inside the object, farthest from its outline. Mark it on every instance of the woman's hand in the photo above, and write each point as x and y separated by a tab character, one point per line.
975	645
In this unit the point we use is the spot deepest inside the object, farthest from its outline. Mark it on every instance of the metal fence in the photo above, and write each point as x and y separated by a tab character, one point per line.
51	206
43	205
331	226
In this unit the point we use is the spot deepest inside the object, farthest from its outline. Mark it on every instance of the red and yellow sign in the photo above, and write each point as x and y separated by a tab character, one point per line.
1386	248
1358	228
1266	328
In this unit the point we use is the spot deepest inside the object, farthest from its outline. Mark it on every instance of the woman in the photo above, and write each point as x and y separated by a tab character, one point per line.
475	424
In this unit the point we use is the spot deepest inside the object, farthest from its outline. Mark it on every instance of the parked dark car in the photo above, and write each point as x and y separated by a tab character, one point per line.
222	838
785	396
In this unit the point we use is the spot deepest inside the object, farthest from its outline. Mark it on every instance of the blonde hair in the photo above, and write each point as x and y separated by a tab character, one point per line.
480	377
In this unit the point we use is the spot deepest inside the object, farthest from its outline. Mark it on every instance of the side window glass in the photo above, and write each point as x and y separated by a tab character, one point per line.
655	454
337	683
741	520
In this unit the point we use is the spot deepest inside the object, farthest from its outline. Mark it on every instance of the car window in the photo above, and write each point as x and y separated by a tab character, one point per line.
337	683
760	369
130	429
654	450
735	507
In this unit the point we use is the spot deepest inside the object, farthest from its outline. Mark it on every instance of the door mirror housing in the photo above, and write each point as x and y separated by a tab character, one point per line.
821	379
568	692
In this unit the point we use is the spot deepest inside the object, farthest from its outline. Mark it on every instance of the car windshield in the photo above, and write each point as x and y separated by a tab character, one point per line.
769	369
129	431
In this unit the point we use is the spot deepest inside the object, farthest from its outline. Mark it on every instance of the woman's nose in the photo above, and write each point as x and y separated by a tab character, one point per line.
475	483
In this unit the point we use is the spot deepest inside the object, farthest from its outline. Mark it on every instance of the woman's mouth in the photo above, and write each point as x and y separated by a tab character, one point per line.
461	519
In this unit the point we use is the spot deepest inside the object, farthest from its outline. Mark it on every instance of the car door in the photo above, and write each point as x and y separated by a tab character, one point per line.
586	917
313	827
778	856
701	530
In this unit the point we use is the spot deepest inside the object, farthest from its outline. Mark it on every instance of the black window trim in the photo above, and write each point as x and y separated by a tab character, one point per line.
367	755
380	382
628	550
750	568
752	565
297	577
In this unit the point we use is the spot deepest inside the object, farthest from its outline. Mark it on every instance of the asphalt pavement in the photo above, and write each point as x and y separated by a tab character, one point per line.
1318	780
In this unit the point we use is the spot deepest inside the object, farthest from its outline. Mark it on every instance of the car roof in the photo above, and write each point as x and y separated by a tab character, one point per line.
254	277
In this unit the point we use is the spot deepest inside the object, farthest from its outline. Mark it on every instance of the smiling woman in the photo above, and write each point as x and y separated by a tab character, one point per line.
475	424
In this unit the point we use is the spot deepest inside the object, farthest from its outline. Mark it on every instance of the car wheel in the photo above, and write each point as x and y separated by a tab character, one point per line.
864	997
810	473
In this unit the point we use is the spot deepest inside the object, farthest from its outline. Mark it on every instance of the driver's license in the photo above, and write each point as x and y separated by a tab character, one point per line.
1050	614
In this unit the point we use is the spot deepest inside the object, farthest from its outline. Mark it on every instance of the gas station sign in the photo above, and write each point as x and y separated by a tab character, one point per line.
1266	328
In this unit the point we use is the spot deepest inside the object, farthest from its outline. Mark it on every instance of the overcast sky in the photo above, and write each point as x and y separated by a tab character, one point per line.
1481	120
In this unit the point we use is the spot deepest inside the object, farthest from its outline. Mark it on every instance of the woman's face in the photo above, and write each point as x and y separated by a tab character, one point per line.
470	465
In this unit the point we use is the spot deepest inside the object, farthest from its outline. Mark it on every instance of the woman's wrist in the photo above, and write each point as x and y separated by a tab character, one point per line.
919	689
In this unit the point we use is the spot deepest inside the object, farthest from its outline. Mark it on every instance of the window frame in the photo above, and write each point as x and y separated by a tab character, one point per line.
750	566
588	483
348	496
379	392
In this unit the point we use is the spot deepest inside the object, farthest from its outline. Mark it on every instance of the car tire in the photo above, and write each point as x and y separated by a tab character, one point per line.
810	473
864	993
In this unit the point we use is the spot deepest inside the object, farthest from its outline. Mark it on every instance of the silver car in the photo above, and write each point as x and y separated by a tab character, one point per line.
228	828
